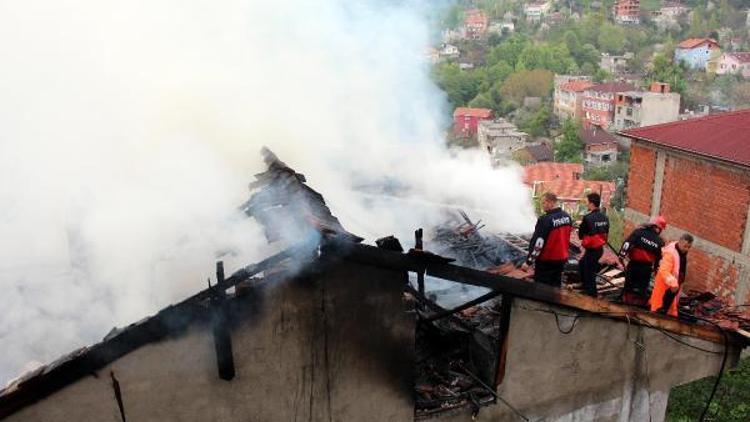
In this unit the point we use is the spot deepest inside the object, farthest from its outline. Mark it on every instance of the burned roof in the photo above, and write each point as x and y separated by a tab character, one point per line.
175	319
287	207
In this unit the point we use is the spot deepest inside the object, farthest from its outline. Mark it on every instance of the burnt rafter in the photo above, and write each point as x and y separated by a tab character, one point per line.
287	207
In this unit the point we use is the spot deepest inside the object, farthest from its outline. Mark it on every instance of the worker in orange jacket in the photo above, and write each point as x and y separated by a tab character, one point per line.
671	276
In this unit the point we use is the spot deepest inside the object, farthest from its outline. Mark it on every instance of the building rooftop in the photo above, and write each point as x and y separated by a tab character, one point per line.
482	113
611	87
541	153
723	136
596	136
696	42
544	172
576	86
576	190
742	57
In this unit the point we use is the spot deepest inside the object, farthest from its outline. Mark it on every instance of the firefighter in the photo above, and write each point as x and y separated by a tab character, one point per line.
593	232
548	249
671	276
643	248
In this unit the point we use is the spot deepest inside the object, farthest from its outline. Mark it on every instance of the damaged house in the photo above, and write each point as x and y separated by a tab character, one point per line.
334	329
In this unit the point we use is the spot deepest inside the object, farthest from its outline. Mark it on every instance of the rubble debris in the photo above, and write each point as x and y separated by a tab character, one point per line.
718	310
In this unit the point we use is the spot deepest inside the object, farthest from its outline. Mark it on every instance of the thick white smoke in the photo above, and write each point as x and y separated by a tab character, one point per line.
129	130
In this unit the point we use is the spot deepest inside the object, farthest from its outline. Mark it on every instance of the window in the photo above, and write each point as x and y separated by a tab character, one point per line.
606	158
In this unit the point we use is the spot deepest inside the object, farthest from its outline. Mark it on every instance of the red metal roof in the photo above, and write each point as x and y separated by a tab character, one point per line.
724	136
482	113
696	42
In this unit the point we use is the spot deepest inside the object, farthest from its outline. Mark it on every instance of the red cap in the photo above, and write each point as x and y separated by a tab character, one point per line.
658	221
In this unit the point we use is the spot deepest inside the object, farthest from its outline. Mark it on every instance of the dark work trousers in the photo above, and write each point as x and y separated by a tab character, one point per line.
549	272
667	299
588	268
637	279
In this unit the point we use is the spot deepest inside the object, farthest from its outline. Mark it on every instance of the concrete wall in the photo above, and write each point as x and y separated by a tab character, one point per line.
660	108
703	197
334	347
603	370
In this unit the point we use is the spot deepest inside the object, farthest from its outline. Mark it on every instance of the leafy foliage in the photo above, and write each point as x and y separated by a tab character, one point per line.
731	404
570	147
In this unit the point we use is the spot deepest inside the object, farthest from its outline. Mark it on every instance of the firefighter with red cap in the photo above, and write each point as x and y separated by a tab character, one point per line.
643	248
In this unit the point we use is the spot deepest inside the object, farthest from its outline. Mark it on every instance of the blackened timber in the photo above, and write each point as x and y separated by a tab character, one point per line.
118	395
370	255
222	336
506	305
481	299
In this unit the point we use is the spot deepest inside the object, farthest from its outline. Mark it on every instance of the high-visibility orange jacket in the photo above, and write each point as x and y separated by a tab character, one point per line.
668	276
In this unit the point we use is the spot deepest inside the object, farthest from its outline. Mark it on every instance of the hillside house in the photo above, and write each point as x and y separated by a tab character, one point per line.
476	23
536	10
599	103
566	181
600	146
734	64
696	52
627	12
466	120
500	139
568	100
639	108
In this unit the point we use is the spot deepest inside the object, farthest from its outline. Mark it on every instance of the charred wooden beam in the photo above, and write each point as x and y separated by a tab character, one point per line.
222	336
370	255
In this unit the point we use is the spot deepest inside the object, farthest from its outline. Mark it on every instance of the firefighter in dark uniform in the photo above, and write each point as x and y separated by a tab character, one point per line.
643	249
593	232
548	249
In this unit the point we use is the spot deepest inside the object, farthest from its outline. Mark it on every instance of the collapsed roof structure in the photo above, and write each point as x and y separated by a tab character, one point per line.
334	329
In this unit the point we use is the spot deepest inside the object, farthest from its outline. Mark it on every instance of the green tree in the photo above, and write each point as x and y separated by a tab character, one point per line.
663	70
570	147
461	87
537	124
527	83
611	39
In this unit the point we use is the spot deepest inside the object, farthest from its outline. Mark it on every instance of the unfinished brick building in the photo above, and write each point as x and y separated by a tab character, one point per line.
697	174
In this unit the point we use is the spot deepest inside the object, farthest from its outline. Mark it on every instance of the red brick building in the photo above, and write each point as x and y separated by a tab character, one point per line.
627	11
466	120
697	174
476	23
598	104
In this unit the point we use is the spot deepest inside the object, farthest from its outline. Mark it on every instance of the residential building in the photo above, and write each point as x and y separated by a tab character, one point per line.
500	139
502	27
696	173
449	51
568	101
566	181
598	104
600	146
476	23
627	12
696	52
532	154
639	108
670	12
466	120
615	64
734	63
535	10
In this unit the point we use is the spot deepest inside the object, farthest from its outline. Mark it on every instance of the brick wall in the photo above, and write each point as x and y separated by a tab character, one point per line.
707	272
641	179
706	200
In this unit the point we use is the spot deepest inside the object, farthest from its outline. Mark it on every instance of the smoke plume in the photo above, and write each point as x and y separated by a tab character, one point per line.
129	130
